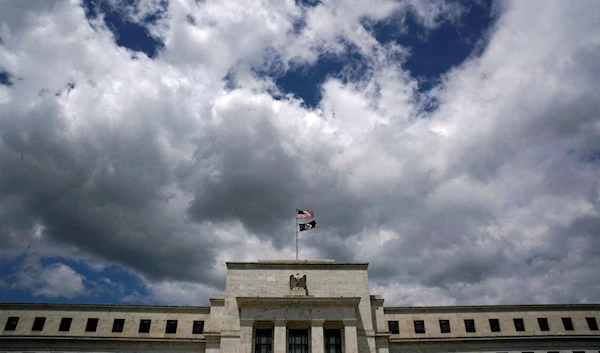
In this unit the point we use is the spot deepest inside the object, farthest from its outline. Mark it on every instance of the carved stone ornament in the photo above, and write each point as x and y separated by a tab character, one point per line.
298	282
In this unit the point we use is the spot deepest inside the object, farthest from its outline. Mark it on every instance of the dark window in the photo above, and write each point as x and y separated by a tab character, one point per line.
592	324
419	326
263	341
470	325
567	323
118	325
445	326
543	324
145	326
298	341
91	326
11	323
495	325
553	352
198	327
38	324
171	326
578	351
333	341
65	324
394	328
519	325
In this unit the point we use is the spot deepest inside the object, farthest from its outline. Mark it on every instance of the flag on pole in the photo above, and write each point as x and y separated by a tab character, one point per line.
305	214
307	226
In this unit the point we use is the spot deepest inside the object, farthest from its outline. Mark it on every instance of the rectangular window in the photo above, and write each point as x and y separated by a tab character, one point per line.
11	323
91	325
419	326
543	322
198	327
519	325
118	325
495	325
445	326
298	341
553	352
333	341
171	326
578	351
145	326
394	328
470	325
263	341
38	324
567	323
592	324
65	324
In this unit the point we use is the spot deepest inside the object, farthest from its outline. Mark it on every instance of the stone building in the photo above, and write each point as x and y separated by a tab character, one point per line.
299	307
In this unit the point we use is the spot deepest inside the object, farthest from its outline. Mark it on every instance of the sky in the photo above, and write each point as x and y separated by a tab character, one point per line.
452	145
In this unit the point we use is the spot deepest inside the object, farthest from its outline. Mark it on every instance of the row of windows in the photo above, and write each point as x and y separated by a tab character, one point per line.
92	324
494	325
297	341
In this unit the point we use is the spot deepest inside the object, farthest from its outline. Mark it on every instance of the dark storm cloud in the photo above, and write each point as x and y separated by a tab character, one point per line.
98	192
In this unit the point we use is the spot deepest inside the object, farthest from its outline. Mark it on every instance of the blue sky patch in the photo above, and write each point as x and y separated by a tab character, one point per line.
128	34
5	78
435	52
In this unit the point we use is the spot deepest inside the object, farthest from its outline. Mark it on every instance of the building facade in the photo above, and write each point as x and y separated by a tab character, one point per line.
317	306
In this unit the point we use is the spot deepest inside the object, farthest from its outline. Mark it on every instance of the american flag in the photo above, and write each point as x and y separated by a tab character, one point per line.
305	214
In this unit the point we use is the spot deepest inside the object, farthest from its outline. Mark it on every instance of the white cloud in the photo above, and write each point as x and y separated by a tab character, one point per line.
152	165
54	281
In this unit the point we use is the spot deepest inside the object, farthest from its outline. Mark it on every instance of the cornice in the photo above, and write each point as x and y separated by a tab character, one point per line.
296	265
106	308
490	308
273	302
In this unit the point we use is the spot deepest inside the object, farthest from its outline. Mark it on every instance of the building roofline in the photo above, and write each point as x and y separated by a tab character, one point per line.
104	307
489	308
296	264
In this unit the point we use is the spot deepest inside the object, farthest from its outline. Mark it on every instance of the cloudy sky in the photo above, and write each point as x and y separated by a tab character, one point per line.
455	146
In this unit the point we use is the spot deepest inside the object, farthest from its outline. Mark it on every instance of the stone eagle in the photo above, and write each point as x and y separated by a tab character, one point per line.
299	282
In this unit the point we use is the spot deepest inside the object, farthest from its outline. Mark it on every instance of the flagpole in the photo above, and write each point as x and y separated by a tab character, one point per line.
296	218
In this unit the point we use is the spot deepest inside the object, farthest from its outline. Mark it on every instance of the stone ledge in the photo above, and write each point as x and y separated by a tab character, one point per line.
296	265
106	308
490	308
491	339
274	302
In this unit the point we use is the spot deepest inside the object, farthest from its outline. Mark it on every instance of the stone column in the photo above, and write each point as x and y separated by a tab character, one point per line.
350	337
316	336
246	335
279	336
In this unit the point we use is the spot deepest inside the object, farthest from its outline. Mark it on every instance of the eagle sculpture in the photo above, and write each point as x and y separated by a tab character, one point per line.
299	282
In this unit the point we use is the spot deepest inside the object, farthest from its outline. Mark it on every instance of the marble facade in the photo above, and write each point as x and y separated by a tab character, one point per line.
262	309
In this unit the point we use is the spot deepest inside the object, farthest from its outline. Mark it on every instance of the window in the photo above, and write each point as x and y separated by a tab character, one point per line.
543	324
553	352
519	325
445	326
419	326
263	341
470	325
65	324
91	326
11	323
567	323
298	341
38	324
578	351
145	326
171	326
333	341
118	325
495	325
198	327
592	324
394	328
